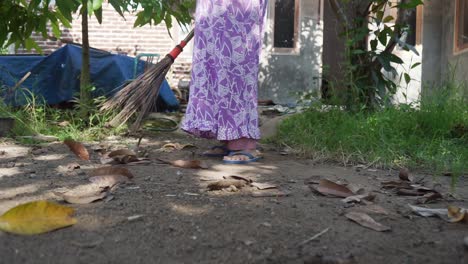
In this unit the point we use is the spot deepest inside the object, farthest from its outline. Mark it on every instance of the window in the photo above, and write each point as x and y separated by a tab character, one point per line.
461	25
286	26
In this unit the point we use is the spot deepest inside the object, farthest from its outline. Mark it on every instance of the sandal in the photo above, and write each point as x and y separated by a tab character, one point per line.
251	157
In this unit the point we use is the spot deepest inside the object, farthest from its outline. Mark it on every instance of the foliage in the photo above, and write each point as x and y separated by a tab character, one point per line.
370	74
430	135
21	18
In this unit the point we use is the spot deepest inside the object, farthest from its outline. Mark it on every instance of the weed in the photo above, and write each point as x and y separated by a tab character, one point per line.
431	135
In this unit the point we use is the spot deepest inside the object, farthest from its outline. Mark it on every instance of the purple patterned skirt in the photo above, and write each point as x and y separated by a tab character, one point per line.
223	88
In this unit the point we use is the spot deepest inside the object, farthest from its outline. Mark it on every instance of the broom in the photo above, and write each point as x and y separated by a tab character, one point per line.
140	95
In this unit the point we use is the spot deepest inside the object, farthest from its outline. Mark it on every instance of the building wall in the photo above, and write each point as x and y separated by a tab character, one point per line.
283	76
118	35
452	62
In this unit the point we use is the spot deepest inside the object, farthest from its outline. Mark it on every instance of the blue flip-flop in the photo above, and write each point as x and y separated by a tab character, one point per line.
225	152
251	157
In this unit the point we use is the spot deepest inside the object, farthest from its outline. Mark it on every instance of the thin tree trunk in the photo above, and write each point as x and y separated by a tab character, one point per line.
85	71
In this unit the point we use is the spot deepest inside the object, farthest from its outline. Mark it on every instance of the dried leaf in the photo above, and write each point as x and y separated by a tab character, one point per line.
263	186
329	188
410	192
429	197
219	185
404	175
84	194
121	156
108	180
315	179
359	198
367	221
77	148
36	218
176	146
374	208
187	164
427	212
236	177
121	152
396	184
457	214
112	171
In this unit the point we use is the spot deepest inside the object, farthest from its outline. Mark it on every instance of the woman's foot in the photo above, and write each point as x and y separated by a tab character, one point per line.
242	156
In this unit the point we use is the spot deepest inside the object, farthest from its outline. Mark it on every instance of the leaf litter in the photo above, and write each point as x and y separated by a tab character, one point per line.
78	148
187	164
329	188
111	170
122	156
176	146
366	221
452	213
84	194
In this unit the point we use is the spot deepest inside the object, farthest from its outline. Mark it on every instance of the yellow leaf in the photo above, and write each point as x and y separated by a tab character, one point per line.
36	217
457	214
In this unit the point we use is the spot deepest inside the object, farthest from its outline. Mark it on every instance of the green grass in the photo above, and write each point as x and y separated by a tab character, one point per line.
433	136
36	118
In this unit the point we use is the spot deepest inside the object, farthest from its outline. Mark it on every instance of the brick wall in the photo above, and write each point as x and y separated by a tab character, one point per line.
117	34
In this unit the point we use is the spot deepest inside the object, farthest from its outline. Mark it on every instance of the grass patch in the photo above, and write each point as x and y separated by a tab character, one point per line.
37	118
432	136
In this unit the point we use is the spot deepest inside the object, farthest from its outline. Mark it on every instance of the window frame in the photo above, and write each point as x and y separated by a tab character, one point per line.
297	18
458	14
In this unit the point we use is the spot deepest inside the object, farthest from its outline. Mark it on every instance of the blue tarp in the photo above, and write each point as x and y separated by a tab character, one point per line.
56	77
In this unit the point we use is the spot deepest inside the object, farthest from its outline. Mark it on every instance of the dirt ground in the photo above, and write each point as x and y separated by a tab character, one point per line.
166	215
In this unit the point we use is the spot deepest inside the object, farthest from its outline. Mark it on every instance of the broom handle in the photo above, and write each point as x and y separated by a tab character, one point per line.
179	48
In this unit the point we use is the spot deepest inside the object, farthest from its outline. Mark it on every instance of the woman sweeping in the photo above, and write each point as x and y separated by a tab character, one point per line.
223	89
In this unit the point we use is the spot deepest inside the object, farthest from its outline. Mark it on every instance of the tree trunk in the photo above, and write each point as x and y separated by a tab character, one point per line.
85	71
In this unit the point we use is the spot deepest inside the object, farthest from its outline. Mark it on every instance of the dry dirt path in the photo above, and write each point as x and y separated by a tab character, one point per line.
166	215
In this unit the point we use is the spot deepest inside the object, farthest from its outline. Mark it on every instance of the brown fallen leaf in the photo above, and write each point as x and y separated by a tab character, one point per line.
84	194
223	184
236	177
366	221
404	175
374	208
77	148
110	170
263	186
176	146
396	185
329	188
315	179
187	164
358	198
109	181
408	192
122	156
429	198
